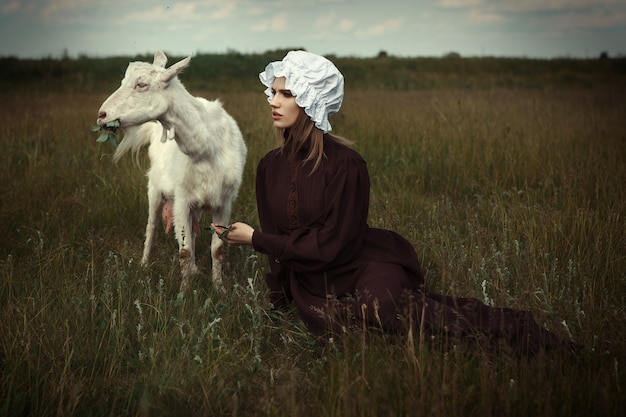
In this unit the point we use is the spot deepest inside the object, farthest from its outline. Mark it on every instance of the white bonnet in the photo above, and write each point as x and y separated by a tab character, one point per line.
313	79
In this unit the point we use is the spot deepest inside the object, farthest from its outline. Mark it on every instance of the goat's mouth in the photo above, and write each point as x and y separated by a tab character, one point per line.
108	131
110	126
105	120
103	123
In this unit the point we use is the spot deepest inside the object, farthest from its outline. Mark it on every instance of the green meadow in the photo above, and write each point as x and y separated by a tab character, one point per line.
507	175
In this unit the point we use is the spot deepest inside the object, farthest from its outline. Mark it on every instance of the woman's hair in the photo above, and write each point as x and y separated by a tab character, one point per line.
305	137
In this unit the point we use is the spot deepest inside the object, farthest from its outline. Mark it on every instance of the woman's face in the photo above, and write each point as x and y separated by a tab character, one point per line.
285	111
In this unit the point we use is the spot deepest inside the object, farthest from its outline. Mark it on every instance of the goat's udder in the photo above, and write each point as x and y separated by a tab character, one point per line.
167	215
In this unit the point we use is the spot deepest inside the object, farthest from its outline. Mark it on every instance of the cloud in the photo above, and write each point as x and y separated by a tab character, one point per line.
127	11
457	4
184	11
346	25
55	7
490	9
389	25
545	27
10	7
594	20
325	22
225	10
277	23
556	5
177	12
41	9
329	23
569	15
482	17
564	13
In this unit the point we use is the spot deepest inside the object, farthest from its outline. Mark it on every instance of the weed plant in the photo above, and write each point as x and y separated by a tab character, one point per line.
512	196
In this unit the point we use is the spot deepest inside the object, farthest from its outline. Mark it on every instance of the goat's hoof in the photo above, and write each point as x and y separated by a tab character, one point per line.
184	254
189	270
219	286
187	265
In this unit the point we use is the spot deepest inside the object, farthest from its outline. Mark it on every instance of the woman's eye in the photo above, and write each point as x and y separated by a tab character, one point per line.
284	93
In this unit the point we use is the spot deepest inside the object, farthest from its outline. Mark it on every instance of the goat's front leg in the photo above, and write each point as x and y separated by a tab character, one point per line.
155	204
185	235
217	253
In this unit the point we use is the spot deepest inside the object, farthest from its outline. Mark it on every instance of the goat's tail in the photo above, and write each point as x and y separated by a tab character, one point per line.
136	137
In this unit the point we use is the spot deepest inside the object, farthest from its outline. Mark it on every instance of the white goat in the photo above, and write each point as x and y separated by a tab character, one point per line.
199	170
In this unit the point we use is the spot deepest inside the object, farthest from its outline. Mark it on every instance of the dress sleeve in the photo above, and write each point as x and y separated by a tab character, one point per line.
339	236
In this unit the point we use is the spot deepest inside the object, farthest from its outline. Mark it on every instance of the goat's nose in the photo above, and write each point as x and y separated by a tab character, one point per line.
102	114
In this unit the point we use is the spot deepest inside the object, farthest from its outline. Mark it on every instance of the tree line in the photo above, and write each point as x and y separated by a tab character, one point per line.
234	71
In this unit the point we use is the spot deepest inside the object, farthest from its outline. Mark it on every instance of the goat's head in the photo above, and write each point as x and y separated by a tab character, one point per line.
142	96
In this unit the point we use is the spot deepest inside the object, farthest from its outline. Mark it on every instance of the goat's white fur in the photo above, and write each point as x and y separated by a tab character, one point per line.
199	170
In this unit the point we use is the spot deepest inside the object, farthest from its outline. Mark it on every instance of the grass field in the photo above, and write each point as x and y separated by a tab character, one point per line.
514	196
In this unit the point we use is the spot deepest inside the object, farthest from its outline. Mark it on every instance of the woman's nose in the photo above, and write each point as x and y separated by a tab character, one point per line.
274	102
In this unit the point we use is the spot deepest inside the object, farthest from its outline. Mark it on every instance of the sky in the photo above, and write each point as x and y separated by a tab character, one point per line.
357	28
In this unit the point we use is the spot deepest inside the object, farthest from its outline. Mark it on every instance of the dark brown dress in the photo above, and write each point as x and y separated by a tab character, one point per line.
324	257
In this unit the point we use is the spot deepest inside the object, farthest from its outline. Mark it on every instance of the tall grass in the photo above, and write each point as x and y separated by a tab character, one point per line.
515	197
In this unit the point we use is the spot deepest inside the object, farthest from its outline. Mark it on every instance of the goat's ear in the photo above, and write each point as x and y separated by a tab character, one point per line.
160	59
175	69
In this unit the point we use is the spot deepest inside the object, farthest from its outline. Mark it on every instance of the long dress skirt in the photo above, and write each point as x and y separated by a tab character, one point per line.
393	305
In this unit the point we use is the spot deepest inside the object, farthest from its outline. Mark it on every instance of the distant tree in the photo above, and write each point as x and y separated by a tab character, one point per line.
604	55
283	50
383	54
452	55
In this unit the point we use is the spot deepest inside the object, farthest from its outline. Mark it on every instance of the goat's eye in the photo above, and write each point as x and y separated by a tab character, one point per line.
141	85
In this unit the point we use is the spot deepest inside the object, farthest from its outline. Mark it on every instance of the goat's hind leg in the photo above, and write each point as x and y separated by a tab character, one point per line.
155	204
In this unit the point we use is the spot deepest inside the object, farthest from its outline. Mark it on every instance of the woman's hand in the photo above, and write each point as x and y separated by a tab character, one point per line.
239	233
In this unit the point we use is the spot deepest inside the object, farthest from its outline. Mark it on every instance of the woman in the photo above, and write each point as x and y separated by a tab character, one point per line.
313	198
